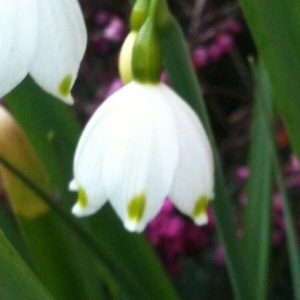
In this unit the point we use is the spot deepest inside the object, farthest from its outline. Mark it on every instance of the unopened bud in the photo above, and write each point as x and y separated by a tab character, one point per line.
125	69
17	150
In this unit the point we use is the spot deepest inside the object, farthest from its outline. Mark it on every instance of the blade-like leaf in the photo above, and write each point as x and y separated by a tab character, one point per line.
265	114
51	128
275	28
16	279
292	242
52	254
54	132
176	57
257	227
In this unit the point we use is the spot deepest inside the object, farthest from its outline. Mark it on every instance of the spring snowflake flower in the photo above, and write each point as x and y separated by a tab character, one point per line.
142	145
43	38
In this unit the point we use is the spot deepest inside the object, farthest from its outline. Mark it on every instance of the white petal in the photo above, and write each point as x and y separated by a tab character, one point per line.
73	186
141	154
18	40
61	45
194	179
201	219
89	157
88	163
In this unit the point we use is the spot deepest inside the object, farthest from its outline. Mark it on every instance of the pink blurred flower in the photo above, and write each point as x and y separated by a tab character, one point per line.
113	87
242	173
200	57
234	26
174	235
115	31
102	17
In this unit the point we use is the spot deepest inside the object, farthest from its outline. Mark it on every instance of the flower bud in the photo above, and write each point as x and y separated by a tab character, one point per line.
125	69
16	149
137	18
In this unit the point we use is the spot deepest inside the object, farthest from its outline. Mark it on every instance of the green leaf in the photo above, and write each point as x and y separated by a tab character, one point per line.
31	212
54	132
133	253
118	262
275	28
52	129
265	116
10	228
16	279
292	242
176	57
258	212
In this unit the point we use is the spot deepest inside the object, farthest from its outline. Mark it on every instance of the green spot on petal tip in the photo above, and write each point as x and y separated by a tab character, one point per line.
65	86
136	207
200	207
82	198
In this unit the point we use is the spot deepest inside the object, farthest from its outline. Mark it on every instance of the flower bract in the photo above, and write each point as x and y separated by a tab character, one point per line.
142	145
43	38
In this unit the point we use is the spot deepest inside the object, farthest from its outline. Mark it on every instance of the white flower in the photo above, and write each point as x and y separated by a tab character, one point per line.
142	145
45	38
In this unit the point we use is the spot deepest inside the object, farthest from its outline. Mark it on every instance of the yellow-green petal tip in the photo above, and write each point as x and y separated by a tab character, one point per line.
136	207
200	207
82	199
64	87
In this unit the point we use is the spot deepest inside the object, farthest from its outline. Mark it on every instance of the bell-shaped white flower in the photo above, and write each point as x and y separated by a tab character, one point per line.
43	38
142	145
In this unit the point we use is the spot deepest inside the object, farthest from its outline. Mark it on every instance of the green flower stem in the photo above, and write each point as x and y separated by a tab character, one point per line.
146	54
139	14
108	262
185	82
